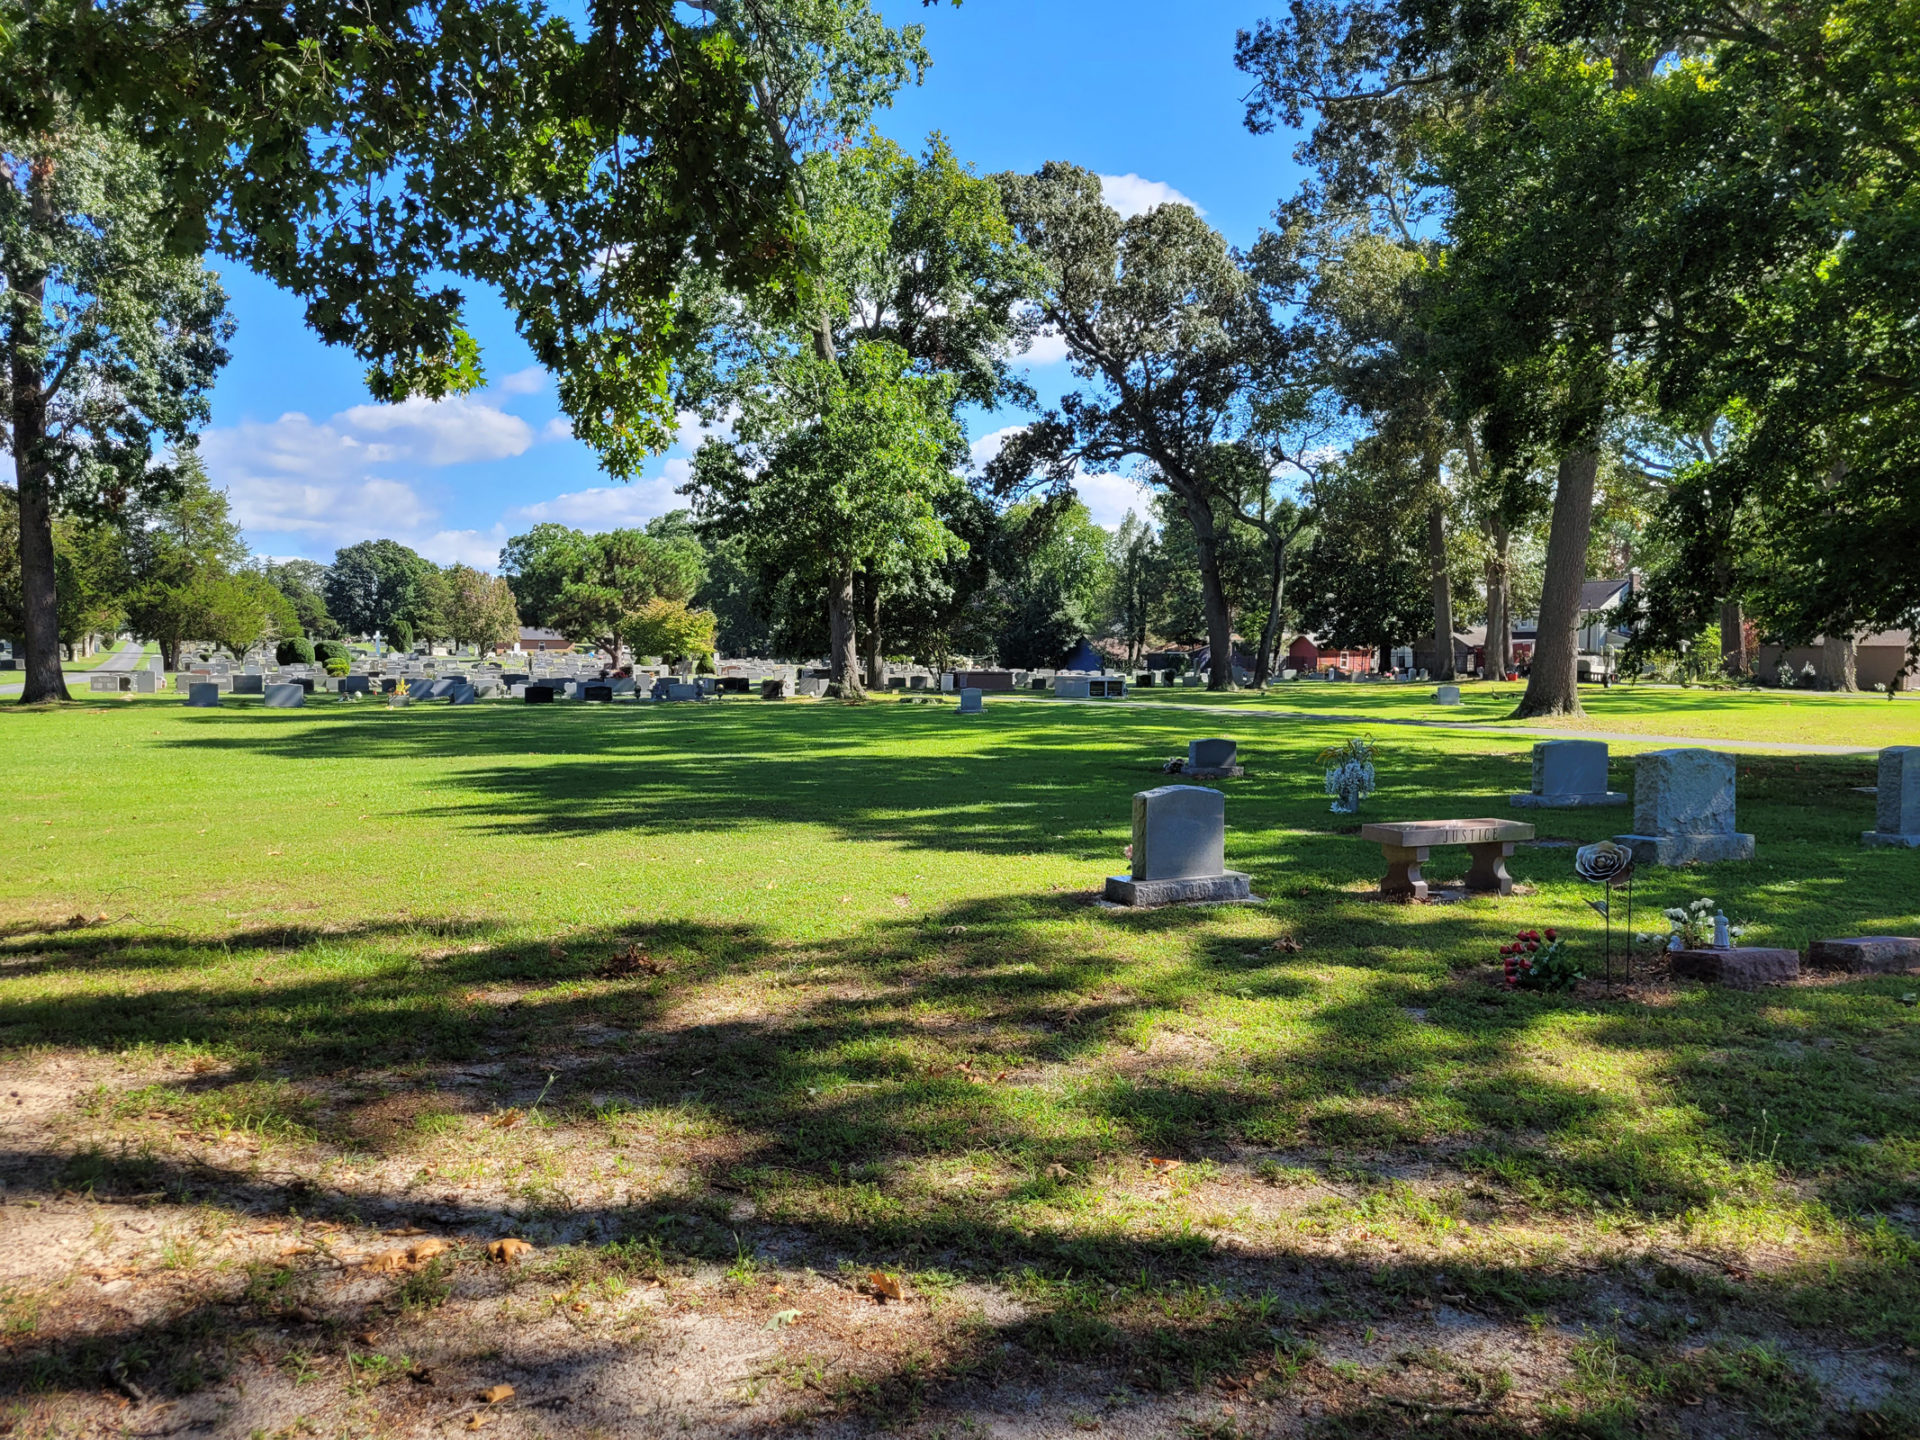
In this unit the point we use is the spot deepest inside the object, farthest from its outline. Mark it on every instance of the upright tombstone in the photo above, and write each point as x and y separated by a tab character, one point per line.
203	695
284	697
1179	850
777	687
1683	810
1896	819
1568	774
597	694
538	694
356	684
1447	695
463	694
1212	759
971	701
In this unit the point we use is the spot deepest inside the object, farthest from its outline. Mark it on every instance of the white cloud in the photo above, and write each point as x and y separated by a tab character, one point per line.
612	507
1049	348
1131	195
558	428
297	477
988	446
478	548
453	431
530	381
1108	497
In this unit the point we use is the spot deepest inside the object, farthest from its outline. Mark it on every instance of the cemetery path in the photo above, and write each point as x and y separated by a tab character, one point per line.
125	659
1538	732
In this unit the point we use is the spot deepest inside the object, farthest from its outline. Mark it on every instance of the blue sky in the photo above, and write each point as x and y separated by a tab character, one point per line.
1144	93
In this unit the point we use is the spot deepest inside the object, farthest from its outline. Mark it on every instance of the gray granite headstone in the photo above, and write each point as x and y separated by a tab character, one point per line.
203	695
1179	850
463	694
355	685
1210	759
285	697
971	701
1447	695
1683	809
1896	819
107	684
1568	774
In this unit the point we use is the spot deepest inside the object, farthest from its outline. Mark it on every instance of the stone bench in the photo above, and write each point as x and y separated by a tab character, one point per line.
1406	845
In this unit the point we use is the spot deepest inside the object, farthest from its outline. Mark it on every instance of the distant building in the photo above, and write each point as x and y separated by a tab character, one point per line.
1878	659
535	638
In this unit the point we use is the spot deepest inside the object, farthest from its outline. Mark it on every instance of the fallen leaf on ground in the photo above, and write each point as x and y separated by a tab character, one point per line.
426	1249
494	1394
884	1287
506	1120
1287	945
1057	1171
394	1259
367	1337
296	1249
782	1318
508	1250
1162	1165
407	1230
476	1420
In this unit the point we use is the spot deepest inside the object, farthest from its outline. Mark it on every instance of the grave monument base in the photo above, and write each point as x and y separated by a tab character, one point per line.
1866	954
1229	886
1889	839
1737	969
1569	802
1687	849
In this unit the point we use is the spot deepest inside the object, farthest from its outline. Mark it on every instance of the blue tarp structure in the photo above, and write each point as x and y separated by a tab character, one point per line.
1084	657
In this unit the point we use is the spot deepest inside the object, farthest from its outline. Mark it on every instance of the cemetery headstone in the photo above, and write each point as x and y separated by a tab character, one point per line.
106	684
972	702
1568	774
1897	801
1866	954
356	685
146	682
1683	809
1738	968
776	687
463	695
1212	759
203	695
597	694
538	694
1179	850
1447	695
285	697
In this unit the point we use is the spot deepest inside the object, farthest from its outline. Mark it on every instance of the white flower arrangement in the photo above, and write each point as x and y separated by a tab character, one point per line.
1349	774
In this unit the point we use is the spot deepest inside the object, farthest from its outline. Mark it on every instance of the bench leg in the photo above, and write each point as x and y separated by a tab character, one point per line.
1403	871
1489	871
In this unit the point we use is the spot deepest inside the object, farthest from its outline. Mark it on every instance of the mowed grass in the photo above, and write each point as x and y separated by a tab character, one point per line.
805	986
1794	717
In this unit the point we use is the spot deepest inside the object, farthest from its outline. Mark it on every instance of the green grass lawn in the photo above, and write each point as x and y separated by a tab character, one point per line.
1790	717
810	992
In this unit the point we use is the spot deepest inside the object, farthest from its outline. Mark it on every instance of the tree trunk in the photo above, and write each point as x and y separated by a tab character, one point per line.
26	343
1276	597
1442	591
1213	596
1552	688
844	662
1499	651
1733	639
1836	667
876	661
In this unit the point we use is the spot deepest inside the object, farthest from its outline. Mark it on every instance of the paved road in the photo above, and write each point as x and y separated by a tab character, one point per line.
126	658
1249	712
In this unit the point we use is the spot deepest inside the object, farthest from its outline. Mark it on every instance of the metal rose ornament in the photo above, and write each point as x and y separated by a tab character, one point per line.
1604	863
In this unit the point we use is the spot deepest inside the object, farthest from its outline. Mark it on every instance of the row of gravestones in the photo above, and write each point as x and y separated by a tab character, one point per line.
1683	814
1683	800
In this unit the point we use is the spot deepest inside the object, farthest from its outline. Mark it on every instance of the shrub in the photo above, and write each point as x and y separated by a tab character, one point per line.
297	651
337	664
399	636
326	651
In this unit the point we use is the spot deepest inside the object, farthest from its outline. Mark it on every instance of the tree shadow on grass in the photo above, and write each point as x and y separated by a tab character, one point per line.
879	1055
